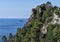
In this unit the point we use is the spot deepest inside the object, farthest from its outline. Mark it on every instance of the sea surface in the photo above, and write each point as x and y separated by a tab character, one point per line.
10	26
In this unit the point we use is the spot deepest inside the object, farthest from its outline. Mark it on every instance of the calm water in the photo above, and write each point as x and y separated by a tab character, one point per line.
10	26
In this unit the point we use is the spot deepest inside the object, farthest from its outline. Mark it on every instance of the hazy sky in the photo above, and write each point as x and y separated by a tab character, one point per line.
20	8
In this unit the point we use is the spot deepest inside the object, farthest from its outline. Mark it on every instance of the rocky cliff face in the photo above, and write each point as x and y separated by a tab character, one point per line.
44	21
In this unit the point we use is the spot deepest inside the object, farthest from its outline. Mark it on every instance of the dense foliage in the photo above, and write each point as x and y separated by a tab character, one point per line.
42	14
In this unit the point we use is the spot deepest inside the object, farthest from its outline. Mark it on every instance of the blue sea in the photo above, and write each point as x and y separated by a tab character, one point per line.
10	26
